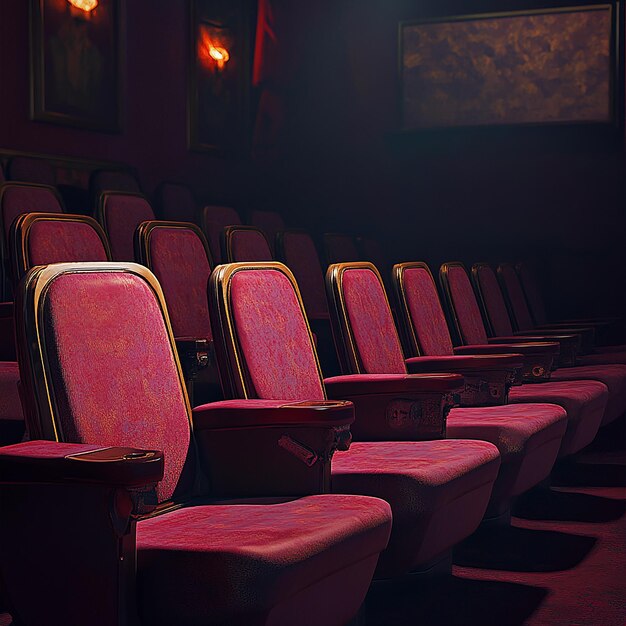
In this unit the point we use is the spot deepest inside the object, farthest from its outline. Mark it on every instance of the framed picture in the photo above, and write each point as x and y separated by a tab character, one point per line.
218	111
76	58
552	66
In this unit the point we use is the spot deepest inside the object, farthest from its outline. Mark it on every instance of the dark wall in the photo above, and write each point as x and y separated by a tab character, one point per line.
554	195
154	139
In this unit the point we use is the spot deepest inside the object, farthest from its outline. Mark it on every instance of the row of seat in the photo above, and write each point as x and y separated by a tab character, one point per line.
439	489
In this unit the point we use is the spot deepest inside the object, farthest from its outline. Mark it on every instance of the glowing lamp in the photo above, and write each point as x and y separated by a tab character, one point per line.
219	55
84	5
211	52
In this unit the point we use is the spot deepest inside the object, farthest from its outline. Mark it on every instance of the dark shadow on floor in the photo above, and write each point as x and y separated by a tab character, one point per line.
514	549
452	601
548	504
590	475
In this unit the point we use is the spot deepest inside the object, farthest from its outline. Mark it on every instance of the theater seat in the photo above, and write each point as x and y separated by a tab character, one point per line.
605	325
521	318
120	213
271	223
111	180
176	202
245	243
495	311
340	248
31	170
16	199
178	254
131	515
528	437
214	220
426	332
43	238
265	350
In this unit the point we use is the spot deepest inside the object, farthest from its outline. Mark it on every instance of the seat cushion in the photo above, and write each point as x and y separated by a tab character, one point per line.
528	437
234	563
613	376
584	401
438	491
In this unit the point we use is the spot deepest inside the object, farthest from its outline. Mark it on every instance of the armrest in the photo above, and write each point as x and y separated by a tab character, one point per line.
252	448
539	357
586	334
398	407
272	413
367	384
569	344
488	377
52	462
69	514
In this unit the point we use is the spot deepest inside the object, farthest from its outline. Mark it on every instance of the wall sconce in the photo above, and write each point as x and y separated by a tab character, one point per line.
211	52
84	5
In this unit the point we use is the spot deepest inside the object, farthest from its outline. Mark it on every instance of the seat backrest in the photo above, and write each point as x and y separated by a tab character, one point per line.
340	248
112	180
363	326
19	198
176	202
119	214
270	222
296	249
43	238
177	253
491	300
514	294
261	334
31	170
420	312
533	294
245	243
462	304
15	200
98	365
214	220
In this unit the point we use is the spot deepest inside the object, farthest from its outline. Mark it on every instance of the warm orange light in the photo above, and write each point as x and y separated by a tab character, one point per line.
212	52
85	5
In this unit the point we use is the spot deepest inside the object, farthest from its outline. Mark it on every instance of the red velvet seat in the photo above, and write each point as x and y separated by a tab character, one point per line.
585	408
214	220
176	202
120	214
125	520
438	490
527	437
39	239
494	307
340	248
178	254
42	239
426	333
31	170
16	199
522	319
271	223
112	180
245	243
297	250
